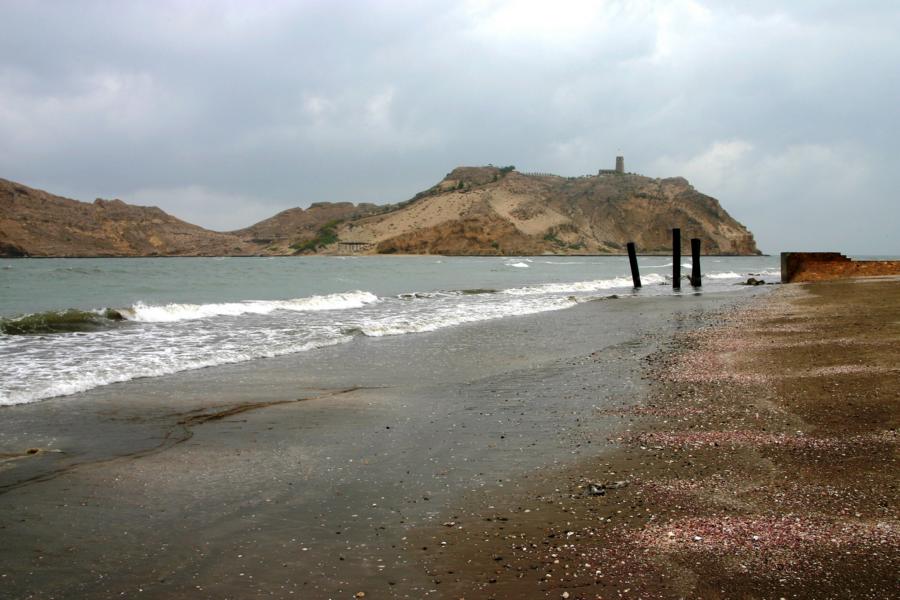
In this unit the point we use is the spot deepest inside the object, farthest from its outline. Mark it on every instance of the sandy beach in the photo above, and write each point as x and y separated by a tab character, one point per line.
312	473
741	447
762	463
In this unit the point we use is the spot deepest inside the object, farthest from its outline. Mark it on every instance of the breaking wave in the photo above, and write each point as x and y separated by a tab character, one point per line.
450	315
121	367
445	294
583	286
77	350
157	349
168	313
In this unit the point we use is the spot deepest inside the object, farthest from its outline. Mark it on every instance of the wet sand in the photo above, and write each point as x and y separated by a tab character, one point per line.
316	475
762	463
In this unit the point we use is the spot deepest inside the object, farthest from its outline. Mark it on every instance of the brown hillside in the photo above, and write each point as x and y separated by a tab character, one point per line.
35	223
483	210
277	234
474	210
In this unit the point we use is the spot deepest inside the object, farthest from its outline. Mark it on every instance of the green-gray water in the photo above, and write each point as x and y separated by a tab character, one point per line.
92	322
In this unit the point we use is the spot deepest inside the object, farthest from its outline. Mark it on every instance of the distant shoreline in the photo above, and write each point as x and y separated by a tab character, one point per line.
392	254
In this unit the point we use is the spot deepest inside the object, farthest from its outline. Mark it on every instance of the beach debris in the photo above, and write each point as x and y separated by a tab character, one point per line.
599	489
747	438
596	489
754	281
4	456
359	595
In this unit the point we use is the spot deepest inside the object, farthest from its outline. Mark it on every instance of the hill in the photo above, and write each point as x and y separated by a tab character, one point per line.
36	223
473	210
291	229
489	210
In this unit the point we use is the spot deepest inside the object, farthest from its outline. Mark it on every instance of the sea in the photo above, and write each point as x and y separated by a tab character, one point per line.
71	325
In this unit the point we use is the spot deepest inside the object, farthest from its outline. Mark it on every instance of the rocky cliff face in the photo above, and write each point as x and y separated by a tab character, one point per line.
474	210
485	210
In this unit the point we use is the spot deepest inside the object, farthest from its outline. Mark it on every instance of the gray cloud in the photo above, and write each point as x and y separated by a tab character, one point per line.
223	113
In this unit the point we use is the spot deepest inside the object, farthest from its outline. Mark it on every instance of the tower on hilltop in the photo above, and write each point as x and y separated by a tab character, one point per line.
619	170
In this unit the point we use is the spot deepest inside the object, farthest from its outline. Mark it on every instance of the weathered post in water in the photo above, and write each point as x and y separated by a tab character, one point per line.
676	258
695	262
632	260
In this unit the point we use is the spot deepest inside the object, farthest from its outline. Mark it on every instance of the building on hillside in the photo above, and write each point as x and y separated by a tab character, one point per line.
620	167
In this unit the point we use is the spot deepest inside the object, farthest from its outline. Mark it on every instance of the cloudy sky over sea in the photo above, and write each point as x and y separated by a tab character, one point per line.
224	113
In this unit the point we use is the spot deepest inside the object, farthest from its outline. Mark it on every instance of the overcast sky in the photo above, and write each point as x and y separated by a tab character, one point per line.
224	113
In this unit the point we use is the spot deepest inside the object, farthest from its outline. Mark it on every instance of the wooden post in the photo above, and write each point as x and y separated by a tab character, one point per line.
632	260
695	262
676	259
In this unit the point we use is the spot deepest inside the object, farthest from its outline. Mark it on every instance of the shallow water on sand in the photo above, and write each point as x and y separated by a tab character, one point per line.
318	488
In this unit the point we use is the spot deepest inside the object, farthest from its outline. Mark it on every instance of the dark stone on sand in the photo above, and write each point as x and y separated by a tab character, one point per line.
596	489
599	489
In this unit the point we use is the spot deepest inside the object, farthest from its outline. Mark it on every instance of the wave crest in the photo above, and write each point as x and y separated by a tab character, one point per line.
168	313
583	286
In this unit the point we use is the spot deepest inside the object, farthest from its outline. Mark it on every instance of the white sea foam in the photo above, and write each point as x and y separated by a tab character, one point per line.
450	315
96	369
428	295
169	338
182	312
67	364
583	286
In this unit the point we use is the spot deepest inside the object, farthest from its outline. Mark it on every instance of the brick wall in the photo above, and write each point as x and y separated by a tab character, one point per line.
822	266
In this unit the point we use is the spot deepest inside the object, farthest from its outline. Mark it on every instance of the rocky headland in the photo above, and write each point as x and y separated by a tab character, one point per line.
472	211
